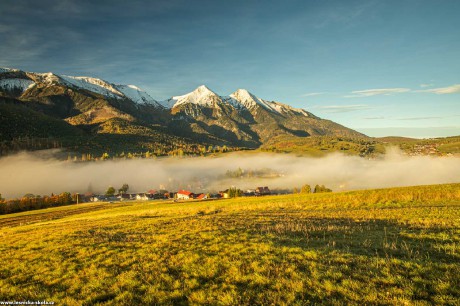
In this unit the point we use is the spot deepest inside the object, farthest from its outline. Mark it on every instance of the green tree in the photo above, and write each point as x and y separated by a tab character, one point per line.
123	189
110	192
234	192
295	190
305	189
321	188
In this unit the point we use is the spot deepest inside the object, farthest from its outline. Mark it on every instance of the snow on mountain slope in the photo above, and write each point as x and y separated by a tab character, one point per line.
93	85
248	100
4	69
240	99
285	109
231	101
136	94
201	96
12	84
47	78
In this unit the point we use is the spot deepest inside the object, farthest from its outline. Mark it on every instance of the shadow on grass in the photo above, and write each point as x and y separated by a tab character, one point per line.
383	238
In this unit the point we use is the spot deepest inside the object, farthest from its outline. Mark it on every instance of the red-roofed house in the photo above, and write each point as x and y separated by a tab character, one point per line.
185	195
201	196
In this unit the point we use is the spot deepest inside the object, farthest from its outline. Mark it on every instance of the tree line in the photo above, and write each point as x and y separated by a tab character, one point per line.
32	202
307	189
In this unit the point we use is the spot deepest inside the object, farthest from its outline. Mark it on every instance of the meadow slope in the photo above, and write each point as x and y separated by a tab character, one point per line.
394	246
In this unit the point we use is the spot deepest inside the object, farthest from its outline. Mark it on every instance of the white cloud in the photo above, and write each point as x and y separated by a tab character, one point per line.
311	94
376	92
443	90
425	85
374	118
420	118
343	108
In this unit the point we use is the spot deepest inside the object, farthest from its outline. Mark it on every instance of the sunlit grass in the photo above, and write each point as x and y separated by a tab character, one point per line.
390	246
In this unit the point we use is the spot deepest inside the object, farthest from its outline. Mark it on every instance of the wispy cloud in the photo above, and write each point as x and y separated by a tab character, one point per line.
311	94
419	118
377	92
444	90
425	85
374	118
343	108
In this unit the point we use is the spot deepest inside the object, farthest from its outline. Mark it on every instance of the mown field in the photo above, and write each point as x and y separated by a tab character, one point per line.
398	246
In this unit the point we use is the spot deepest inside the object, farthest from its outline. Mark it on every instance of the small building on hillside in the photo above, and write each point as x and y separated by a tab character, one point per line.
261	191
249	193
201	196
185	195
98	198
225	194
87	197
124	197
144	196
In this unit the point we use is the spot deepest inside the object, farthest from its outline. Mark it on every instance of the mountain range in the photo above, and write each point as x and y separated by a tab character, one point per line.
47	105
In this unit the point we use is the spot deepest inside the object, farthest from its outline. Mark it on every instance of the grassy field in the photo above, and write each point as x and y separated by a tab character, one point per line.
398	246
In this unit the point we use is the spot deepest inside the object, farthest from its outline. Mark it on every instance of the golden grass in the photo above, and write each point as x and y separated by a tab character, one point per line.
390	246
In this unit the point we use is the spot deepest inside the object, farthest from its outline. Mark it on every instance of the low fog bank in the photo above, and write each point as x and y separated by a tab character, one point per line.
41	173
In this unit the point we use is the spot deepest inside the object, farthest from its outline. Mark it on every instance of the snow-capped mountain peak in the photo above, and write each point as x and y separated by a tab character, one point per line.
248	100
202	96
244	97
200	93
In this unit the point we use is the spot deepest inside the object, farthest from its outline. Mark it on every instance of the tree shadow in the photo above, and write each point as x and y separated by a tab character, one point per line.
384	238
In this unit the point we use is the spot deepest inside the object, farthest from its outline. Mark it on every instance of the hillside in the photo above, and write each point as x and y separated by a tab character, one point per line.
395	246
200	117
322	145
432	146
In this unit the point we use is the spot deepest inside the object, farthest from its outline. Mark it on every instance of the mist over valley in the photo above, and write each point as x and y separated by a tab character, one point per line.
40	173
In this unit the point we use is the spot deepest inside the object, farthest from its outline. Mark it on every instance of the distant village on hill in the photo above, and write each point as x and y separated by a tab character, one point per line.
32	202
179	195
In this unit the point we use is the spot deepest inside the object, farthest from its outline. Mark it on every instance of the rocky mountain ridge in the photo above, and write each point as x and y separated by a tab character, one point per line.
240	119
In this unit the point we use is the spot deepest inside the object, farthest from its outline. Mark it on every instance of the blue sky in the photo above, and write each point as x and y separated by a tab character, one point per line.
381	67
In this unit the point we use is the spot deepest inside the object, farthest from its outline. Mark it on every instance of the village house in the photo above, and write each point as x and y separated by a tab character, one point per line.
249	193
201	196
184	195
103	198
144	196
225	194
261	191
124	197
98	198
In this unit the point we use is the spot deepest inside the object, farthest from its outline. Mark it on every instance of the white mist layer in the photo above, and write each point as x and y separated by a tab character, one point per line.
32	173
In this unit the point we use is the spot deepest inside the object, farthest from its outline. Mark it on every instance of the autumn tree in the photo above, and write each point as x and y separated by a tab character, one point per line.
110	192
321	188
305	189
